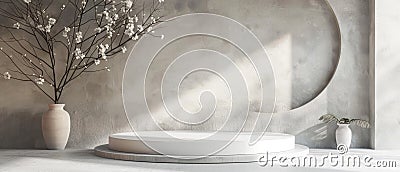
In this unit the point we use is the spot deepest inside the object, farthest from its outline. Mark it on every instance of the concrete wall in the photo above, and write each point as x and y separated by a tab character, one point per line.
300	37
386	78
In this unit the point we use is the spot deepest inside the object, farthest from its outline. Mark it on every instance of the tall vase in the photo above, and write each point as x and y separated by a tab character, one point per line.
343	135
56	127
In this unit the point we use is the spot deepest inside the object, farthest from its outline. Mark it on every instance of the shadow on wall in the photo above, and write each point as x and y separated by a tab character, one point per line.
21	129
323	136
21	110
320	135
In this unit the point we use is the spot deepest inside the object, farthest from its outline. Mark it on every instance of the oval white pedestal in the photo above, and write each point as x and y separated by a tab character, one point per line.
128	146
132	142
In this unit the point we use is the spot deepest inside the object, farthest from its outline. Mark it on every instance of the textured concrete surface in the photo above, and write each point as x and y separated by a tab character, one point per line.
299	36
85	160
387	61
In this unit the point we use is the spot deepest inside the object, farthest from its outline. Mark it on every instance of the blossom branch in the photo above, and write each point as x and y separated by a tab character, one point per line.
41	37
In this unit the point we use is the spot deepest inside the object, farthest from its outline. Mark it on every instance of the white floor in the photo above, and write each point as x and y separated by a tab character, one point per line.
85	160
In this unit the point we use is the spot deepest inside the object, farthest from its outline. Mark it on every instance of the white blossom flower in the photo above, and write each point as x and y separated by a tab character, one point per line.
78	54
149	29
47	28
16	25
52	21
130	19
40	27
84	3
6	75
109	35
106	14
62	7
161	1
110	19
98	29
129	29
102	50
140	27
65	32
79	37
109	30
27	1
39	81
136	19
97	62
123	49
113	8
136	37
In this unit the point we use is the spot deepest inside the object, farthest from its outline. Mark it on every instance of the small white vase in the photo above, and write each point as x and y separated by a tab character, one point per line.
343	135
56	127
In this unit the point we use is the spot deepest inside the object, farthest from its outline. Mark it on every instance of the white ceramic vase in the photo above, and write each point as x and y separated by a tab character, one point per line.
343	135
56	127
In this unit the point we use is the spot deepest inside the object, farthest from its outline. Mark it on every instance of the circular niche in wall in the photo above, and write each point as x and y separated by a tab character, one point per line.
301	38
303	42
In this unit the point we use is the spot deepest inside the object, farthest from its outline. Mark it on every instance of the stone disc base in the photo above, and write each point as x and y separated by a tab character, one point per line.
105	152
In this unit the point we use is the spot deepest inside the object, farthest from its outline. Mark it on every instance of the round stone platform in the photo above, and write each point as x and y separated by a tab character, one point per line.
195	143
105	152
198	147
